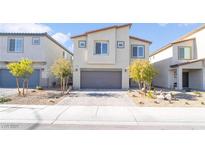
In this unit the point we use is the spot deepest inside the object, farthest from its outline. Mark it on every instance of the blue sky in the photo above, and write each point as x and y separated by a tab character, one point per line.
159	34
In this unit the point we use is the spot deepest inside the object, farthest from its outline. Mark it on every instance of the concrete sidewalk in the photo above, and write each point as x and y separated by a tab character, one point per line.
129	116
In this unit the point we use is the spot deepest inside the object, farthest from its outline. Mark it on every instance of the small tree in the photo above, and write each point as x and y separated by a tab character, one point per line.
27	69
15	70
143	72
22	69
62	69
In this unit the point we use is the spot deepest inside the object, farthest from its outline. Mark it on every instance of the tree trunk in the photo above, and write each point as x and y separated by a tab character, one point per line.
17	84
23	87
27	81
66	84
139	85
63	85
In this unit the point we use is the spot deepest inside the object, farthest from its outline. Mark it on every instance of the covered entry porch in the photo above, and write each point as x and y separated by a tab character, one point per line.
188	75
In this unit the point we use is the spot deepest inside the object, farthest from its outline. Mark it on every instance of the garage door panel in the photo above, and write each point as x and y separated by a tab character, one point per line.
101	79
8	81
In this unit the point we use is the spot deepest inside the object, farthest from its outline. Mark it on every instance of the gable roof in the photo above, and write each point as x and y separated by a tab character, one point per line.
140	39
102	29
37	34
178	40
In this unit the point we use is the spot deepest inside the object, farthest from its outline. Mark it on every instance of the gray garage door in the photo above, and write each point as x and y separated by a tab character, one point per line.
8	81
101	80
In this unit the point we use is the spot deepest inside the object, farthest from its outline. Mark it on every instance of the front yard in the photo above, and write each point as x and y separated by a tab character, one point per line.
34	97
180	99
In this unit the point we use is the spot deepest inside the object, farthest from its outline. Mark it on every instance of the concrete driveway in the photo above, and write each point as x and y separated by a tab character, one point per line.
99	110
98	98
8	91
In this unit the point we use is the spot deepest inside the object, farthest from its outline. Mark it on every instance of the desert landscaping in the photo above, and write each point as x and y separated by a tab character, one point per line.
35	97
168	98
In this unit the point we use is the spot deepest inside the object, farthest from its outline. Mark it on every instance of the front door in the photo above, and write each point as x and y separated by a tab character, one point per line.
185	79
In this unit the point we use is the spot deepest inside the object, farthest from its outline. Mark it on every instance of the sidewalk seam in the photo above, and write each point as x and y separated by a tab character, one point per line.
60	115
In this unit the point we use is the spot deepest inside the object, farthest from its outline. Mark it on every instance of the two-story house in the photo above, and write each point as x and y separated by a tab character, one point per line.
41	48
102	57
181	64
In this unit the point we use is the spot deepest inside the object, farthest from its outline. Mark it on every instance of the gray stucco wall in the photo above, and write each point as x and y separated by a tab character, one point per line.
195	79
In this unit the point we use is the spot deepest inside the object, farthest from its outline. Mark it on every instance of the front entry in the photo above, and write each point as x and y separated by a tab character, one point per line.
185	79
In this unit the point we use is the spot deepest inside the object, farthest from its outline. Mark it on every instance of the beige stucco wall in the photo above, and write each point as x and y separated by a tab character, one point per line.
117	58
161	62
42	55
195	79
164	59
200	45
34	52
53	52
190	43
138	42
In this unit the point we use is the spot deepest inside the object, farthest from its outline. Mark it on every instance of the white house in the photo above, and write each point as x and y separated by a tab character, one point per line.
41	48
102	57
181	64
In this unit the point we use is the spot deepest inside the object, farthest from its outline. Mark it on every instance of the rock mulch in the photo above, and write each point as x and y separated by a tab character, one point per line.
37	97
167	98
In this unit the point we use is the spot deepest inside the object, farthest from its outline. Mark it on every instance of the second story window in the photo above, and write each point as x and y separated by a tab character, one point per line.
15	44
138	51
101	47
36	41
82	44
184	53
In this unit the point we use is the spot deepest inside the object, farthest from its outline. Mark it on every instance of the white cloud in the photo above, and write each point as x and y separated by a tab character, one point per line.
71	48
36	28
26	28
162	24
61	37
185	24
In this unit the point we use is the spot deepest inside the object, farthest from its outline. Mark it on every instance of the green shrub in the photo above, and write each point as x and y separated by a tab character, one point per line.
4	99
150	95
39	88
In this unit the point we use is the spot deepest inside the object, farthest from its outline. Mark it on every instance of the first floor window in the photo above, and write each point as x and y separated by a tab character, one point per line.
101	48
138	51
15	44
184	53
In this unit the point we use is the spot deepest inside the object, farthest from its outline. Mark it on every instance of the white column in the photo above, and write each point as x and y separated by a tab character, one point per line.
203	79
179	78
125	79
76	78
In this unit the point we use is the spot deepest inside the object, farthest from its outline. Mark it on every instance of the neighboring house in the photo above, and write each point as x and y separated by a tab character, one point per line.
102	57
181	64
41	48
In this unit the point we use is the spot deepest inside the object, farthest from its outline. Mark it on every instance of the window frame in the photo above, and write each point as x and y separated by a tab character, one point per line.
101	46
36	38
184	54
123	44
138	45
79	44
15	38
